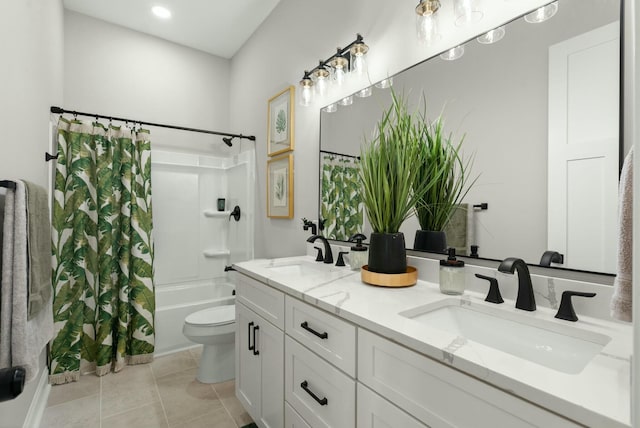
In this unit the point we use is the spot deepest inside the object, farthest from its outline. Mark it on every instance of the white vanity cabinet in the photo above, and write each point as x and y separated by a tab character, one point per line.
260	351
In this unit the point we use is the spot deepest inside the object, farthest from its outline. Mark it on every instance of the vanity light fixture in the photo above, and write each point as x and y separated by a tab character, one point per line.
426	20
161	12
334	70
542	13
453	53
385	83
492	36
466	12
365	92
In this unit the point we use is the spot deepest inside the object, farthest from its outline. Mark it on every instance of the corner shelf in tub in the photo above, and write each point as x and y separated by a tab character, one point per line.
211	254
212	213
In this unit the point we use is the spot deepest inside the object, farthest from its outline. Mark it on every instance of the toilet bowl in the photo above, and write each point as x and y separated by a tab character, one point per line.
215	329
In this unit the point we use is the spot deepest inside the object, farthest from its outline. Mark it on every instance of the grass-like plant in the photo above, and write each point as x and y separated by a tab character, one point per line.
391	167
447	174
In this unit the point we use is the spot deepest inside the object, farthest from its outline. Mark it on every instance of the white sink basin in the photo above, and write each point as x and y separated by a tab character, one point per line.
560	347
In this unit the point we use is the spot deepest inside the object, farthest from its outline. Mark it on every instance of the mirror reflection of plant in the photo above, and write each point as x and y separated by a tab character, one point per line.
446	173
390	167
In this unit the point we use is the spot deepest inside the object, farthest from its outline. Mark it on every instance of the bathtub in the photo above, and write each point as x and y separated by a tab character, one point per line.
175	302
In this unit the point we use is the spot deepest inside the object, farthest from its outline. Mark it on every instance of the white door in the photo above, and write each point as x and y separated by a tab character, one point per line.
583	144
247	362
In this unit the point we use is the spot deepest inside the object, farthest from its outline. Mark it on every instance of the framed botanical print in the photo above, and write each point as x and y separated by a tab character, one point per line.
280	122
280	186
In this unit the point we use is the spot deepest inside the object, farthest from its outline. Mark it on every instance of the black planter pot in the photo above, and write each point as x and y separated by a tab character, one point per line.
428	240
387	253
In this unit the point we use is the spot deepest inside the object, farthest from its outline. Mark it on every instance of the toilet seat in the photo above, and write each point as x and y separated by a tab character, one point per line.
218	315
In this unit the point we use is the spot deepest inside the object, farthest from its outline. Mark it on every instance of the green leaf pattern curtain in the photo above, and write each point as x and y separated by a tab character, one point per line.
104	301
341	207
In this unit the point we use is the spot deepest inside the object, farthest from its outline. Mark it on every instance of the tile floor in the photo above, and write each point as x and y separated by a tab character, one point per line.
164	393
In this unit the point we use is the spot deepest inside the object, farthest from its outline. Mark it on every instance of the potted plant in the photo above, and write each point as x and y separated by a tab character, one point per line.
447	175
389	171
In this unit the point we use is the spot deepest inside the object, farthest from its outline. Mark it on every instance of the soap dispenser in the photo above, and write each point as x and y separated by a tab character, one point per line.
452	274
359	255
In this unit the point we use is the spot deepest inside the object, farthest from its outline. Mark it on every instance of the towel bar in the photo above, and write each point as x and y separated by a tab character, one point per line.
8	184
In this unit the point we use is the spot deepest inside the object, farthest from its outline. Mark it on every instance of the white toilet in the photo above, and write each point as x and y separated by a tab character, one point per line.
215	329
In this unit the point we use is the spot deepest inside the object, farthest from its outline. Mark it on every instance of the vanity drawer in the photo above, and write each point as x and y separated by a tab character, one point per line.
328	336
292	419
438	395
262	299
376	412
320	393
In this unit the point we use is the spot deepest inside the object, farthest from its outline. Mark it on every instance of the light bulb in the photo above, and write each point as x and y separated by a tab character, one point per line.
542	13
364	93
453	53
466	12
339	75
492	36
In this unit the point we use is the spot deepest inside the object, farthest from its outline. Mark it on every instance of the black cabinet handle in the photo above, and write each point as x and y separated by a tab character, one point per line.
305	386
249	337
255	348
305	325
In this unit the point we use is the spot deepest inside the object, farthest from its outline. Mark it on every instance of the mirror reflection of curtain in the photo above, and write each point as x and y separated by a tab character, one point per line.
104	301
341	207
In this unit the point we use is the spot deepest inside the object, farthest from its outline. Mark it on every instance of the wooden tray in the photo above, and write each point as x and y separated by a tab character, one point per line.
390	279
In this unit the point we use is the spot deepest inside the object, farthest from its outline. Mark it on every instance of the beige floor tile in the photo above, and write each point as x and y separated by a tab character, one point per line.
185	398
148	416
81	413
172	363
217	419
196	353
132	387
227	393
86	386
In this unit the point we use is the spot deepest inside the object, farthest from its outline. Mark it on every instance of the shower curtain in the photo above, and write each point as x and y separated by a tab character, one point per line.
104	302
342	207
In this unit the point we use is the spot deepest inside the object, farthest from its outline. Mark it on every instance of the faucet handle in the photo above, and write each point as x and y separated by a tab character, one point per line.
319	257
566	312
340	261
494	295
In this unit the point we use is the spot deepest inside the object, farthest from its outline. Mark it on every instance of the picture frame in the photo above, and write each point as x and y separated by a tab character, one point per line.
280	123
280	186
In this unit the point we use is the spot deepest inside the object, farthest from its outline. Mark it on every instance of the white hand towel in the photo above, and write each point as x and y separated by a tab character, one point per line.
621	302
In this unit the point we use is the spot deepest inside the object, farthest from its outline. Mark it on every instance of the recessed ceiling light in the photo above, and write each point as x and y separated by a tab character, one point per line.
161	12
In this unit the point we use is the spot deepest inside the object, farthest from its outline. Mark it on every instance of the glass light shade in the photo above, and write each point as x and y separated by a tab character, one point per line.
346	101
306	92
386	83
358	61
466	12
359	64
321	81
453	53
427	28
542	13
339	75
492	36
331	108
364	93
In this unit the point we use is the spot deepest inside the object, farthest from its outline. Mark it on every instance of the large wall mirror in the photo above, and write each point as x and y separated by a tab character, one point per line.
540	114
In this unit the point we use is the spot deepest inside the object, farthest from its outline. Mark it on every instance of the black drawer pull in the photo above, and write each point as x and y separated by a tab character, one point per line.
249	337
255	350
305	325
305	386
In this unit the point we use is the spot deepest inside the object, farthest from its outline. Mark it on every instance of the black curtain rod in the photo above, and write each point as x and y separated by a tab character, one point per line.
339	154
59	110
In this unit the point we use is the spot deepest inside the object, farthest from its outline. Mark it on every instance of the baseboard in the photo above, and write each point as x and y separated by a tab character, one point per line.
174	351
39	402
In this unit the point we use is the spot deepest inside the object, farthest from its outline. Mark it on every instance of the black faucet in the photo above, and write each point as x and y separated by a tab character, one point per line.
328	256
525	299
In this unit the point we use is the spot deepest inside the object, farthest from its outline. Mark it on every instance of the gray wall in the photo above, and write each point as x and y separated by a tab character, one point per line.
31	81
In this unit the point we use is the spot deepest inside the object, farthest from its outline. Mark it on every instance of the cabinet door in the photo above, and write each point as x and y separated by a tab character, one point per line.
376	412
247	364
269	345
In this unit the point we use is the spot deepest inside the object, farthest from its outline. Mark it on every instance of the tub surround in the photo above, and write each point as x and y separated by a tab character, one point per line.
599	395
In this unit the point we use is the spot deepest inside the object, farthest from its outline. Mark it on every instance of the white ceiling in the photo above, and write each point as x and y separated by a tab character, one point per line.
219	27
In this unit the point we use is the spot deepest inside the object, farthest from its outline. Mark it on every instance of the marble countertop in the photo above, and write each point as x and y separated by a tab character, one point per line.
599	395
